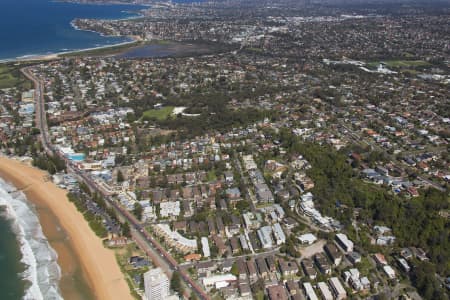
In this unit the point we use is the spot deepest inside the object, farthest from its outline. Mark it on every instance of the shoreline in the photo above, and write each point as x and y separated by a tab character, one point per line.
58	54
81	254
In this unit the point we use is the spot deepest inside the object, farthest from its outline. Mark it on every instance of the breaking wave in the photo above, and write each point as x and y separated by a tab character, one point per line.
40	260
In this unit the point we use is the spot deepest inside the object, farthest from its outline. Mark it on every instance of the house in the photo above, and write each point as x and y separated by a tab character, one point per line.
325	291
389	271
139	262
308	268
322	263
307	238
220	226
278	233
380	259
206	267
251	268
264	234
262	267
271	264
337	288
243	242
229	178
403	264
333	253
288	268
192	257
117	241
221	248
406	253
343	241
292	287
419	253
309	291
277	292
244	289
242	269
233	193
354	257
234	243
219	280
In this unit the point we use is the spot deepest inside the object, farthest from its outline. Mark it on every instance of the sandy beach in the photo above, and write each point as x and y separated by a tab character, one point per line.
98	264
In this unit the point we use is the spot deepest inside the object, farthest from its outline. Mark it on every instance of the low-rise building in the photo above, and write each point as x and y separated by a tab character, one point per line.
337	288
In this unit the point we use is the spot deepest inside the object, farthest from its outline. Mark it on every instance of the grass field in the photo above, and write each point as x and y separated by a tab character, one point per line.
10	76
158	114
7	79
400	63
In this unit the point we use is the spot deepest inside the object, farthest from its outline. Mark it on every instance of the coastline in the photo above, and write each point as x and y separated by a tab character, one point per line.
80	252
59	54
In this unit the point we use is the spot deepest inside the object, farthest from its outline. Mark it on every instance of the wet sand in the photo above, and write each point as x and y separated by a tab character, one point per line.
89	270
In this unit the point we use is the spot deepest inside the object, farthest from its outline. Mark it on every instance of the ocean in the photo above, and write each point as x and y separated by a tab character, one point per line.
28	264
39	27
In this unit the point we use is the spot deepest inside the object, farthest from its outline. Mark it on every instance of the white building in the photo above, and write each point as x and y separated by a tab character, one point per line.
169	209
219	280
205	247
338	289
344	242
264	234
389	272
156	285
309	291
278	233
325	291
307	238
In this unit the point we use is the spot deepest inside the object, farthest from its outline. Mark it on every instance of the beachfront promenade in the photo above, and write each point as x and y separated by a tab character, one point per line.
151	246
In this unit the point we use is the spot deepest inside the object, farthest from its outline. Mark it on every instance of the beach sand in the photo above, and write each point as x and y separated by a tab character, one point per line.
71	237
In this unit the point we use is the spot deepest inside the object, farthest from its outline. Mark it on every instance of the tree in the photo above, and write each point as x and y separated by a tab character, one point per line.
426	282
126	231
175	283
234	269
193	297
120	177
138	210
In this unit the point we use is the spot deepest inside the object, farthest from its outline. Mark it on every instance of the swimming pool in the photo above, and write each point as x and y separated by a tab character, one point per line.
76	156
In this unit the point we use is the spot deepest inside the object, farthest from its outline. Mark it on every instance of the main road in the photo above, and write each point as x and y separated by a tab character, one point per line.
151	246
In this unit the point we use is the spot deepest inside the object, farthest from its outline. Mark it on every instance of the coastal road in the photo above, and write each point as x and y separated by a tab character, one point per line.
41	118
142	237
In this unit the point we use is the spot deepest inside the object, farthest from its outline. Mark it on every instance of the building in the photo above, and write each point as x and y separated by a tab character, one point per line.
205	247
219	280
156	284
333	253
175	239
338	289
307	238
278	233
322	263
389	272
308	268
343	242
404	264
288	268
264	234
309	291
325	291
277	292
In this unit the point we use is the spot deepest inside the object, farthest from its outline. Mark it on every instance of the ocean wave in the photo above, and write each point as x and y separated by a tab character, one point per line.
42	271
